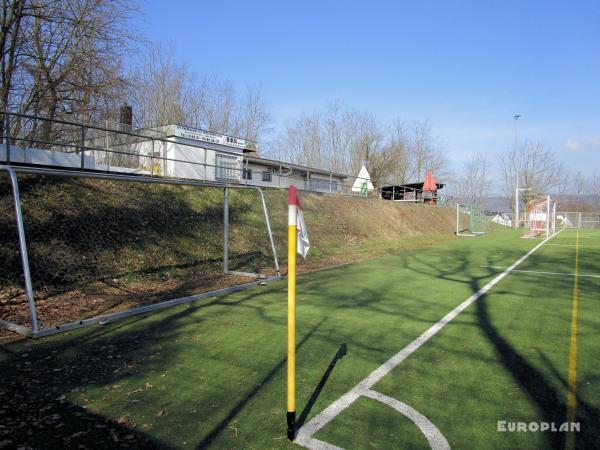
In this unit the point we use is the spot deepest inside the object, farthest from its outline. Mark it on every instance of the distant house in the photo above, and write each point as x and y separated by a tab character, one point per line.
499	217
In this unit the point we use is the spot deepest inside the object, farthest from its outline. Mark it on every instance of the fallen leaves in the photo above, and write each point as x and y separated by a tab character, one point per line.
126	420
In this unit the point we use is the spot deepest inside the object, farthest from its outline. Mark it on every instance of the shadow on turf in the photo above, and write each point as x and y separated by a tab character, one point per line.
342	351
550	404
222	425
36	375
34	384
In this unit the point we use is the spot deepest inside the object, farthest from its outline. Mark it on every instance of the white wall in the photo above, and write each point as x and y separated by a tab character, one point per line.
46	157
197	157
177	169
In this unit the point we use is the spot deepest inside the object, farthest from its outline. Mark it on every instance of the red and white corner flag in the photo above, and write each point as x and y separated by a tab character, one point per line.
297	242
296	218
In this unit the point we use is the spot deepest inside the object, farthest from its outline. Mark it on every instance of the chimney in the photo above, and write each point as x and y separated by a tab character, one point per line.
126	117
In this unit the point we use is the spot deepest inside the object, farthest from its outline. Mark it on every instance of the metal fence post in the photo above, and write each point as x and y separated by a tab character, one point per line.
457	219
7	136
165	149
548	218
152	160
226	230
23	250
265	210
82	147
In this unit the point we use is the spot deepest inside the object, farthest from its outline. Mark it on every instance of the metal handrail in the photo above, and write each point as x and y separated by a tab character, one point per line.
83	147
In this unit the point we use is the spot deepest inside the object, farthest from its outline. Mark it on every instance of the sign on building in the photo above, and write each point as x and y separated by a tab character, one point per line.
214	138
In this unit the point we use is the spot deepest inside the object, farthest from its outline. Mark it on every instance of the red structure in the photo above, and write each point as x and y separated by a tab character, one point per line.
429	189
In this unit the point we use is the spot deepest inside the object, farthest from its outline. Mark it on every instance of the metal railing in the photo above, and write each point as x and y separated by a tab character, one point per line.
118	149
578	219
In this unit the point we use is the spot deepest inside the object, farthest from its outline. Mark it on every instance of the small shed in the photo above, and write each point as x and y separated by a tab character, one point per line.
409	192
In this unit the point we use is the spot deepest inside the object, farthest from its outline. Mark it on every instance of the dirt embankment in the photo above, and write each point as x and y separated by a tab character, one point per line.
100	246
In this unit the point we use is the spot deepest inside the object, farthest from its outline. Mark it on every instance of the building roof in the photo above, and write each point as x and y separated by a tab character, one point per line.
275	163
418	185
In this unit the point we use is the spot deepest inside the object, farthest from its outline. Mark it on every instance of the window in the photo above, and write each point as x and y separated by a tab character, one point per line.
266	175
247	174
227	167
322	185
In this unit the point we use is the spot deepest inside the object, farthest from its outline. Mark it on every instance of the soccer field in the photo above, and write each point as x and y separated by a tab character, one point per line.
371	370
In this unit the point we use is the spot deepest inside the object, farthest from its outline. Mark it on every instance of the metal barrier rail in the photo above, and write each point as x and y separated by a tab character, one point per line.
82	146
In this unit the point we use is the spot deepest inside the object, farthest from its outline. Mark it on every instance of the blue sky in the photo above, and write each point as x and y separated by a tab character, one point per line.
466	66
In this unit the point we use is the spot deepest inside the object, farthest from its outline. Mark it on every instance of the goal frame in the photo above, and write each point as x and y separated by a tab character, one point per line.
547	227
34	330
461	232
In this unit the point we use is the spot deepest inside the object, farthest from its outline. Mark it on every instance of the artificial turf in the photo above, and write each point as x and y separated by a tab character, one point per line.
212	374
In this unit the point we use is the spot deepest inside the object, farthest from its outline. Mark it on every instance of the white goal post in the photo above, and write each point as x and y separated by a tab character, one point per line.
39	328
541	217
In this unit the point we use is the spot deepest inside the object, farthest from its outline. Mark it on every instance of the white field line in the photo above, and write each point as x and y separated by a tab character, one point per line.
436	439
305	433
540	272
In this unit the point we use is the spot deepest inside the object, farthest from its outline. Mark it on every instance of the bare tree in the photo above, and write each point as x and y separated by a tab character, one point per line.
580	188
62	58
11	40
341	139
401	158
594	188
14	20
74	50
472	185
255	117
166	92
539	172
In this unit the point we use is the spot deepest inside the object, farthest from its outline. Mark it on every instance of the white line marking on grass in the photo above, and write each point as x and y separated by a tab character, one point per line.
305	433
540	272
573	245
436	439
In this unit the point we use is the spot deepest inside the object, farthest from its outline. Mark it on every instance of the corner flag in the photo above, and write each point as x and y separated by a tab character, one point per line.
296	217
297	242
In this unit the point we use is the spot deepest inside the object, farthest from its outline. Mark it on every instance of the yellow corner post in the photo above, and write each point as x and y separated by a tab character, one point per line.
291	350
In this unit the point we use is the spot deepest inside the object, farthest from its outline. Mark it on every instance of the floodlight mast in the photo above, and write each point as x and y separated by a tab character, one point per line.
516	116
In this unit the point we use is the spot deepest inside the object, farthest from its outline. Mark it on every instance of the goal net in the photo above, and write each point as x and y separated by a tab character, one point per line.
540	218
470	221
578	219
80	248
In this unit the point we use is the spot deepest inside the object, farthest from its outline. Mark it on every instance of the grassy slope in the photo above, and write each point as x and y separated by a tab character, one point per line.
213	374
97	246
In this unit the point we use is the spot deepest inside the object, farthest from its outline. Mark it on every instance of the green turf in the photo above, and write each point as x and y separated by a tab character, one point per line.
212	374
